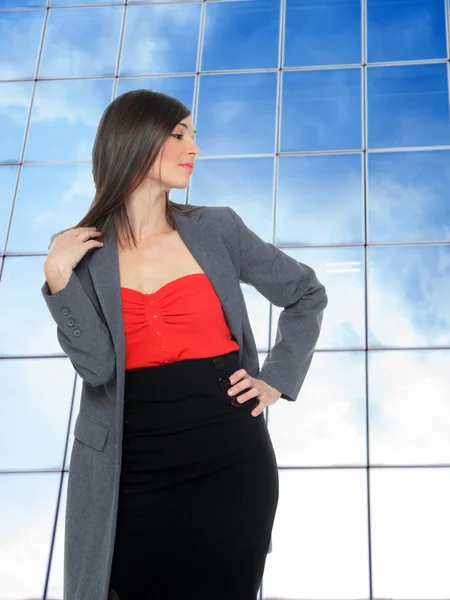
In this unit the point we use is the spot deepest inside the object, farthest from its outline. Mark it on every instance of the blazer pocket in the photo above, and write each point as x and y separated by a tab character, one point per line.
90	432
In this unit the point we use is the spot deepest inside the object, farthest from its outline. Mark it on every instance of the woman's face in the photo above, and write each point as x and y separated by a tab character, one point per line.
175	163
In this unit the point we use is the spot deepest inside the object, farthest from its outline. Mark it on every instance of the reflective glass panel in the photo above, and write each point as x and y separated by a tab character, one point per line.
244	184
410	528
322	32
408	106
181	87
29	502
321	110
50	198
20	38
409	287
326	425
236	113
65	118
161	38
35	409
405	430
14	108
320	537
8	176
409	196
81	42
320	200
405	30
341	270
241	35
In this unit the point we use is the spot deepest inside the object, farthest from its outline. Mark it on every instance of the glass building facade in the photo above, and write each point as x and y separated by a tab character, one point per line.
325	125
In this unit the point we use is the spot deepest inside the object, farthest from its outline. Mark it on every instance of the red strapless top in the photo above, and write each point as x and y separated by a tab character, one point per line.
183	319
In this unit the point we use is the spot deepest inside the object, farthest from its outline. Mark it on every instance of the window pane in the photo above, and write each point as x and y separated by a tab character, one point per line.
408	300
50	198
322	32
409	196
244	184
320	537
65	118
35	409
326	426
341	270
26	309
76	2
405	30
320	200
81	42
8	176
22	3
321	110
20	38
29	502
161	39
410	529
403	428
181	87
14	107
241	35
236	113
408	106
160	1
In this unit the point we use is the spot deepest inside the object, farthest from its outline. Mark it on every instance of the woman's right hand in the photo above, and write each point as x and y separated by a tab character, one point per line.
69	247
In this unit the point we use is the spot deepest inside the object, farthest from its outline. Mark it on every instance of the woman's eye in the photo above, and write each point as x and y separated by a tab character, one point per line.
177	135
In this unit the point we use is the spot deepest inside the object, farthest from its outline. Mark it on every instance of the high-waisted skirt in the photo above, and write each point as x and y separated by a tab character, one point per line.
199	486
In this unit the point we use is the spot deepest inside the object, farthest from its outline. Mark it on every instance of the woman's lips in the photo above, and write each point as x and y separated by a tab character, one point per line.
188	167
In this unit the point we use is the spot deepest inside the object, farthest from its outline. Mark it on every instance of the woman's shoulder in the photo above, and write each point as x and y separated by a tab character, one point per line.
214	212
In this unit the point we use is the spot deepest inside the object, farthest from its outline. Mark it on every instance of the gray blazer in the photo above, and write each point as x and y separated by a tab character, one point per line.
88	315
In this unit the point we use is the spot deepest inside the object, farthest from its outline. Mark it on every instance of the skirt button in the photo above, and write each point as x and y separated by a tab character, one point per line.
218	363
223	383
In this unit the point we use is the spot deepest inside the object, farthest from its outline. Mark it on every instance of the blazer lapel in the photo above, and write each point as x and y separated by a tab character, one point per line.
199	239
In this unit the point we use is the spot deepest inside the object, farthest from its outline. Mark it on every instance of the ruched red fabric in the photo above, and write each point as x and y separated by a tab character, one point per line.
183	319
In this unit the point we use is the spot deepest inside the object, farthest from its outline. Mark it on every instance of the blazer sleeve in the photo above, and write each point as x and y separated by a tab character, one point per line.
81	332
294	286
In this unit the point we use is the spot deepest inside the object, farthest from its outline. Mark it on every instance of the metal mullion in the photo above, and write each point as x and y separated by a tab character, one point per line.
240	71
414	244
201	34
365	138
278	111
119	52
262	155
335	350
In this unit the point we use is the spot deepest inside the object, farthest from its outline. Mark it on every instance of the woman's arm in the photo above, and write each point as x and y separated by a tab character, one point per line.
81	332
294	286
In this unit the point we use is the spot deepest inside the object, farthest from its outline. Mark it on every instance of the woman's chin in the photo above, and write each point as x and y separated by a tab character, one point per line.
179	185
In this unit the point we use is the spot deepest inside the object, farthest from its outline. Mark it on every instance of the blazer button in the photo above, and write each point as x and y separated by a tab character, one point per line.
76	332
223	383
219	363
70	322
65	311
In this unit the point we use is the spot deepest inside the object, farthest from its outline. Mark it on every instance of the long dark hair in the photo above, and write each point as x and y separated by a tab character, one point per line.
131	132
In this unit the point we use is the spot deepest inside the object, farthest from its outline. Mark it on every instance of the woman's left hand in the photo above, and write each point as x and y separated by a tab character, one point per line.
241	380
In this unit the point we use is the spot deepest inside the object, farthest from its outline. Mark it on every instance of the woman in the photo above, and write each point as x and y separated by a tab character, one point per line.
173	482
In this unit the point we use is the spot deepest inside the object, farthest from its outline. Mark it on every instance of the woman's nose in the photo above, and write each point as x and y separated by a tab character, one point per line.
195	149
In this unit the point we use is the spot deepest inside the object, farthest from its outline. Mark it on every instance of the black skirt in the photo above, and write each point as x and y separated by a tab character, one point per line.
199	486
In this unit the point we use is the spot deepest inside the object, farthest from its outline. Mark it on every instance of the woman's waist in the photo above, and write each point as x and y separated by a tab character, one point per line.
180	379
